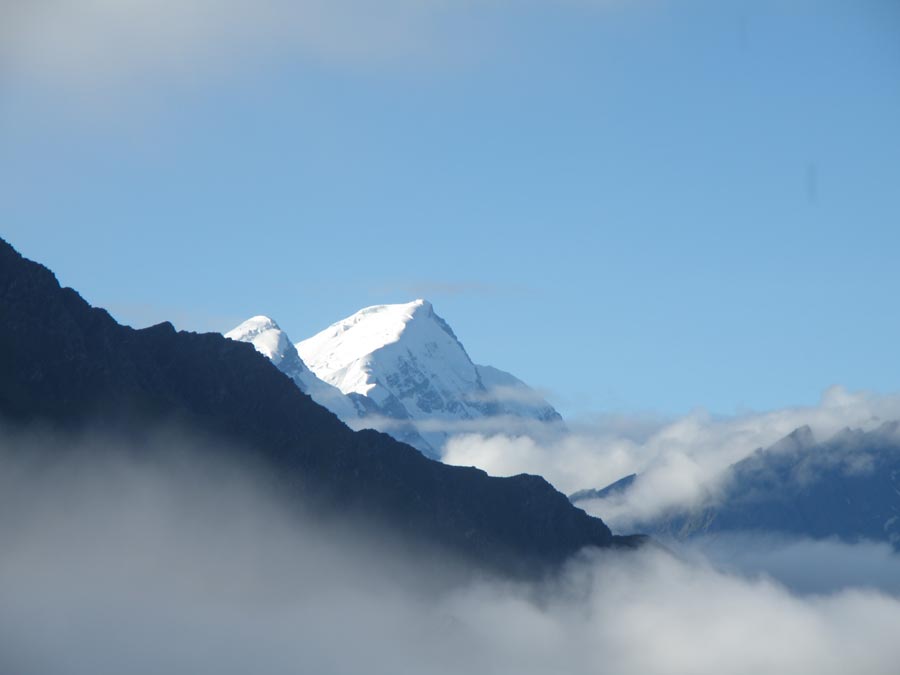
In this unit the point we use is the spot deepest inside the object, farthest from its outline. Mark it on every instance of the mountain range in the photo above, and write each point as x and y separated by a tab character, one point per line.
69	367
399	369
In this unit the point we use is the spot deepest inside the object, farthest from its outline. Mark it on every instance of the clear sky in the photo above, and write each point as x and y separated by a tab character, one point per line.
635	204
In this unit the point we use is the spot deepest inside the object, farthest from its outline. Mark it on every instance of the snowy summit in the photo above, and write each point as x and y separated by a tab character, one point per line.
402	368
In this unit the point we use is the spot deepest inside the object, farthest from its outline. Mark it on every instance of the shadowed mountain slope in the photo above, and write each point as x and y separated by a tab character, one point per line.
846	487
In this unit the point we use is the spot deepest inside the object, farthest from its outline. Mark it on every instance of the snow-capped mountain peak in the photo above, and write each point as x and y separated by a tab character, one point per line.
385	348
339	354
408	361
401	369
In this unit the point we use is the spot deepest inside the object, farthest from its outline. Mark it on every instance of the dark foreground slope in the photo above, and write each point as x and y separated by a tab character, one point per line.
66	364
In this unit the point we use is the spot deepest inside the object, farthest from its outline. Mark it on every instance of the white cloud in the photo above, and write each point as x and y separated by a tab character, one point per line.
113	565
680	461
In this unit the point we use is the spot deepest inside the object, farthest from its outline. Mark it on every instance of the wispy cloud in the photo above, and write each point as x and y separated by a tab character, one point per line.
681	461
89	43
94	46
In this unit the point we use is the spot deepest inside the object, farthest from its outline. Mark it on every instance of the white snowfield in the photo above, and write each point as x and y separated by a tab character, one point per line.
401	369
400	350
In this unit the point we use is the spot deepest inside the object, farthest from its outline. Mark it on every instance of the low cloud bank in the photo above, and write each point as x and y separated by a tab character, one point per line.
680	462
185	565
806	566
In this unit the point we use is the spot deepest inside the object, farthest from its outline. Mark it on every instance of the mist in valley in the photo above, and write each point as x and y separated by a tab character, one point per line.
149	556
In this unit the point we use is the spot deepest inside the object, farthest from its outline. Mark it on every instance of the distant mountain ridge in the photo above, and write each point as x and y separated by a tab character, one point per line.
403	369
613	489
846	487
68	366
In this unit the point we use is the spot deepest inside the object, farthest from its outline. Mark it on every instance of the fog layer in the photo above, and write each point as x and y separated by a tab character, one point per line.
155	559
680	462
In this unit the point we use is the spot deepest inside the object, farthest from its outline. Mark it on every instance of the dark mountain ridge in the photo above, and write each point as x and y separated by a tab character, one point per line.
846	487
71	366
614	488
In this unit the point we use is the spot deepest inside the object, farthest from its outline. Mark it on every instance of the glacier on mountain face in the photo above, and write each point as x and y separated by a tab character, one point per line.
402	370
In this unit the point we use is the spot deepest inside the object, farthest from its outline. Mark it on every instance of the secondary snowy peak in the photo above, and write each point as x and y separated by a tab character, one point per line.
264	334
273	343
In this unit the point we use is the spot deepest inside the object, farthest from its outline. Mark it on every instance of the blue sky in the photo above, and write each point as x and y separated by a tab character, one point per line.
634	204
